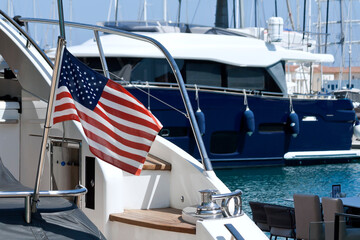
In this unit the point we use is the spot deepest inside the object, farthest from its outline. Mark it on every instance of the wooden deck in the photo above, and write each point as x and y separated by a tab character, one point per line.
155	163
167	219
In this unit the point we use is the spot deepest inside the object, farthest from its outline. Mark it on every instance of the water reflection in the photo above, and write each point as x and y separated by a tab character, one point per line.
276	184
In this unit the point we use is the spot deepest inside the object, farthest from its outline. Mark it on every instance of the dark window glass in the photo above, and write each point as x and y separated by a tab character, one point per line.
224	142
203	73
198	72
247	78
272	127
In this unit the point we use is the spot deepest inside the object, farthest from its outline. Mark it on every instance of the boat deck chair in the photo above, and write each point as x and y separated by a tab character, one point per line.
259	215
281	221
308	217
331	207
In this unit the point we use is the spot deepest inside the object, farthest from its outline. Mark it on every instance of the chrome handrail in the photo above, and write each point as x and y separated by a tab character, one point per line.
194	126
57	193
28	38
80	190
226	198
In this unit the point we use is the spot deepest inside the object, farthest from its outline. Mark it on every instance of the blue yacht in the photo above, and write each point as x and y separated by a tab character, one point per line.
238	86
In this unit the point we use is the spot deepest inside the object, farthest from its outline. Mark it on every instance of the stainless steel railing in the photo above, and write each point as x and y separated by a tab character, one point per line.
27	195
190	113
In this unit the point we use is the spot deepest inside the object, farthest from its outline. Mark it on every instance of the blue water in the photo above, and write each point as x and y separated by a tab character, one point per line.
278	184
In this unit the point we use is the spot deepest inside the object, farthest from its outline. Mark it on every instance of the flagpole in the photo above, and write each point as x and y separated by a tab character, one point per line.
47	126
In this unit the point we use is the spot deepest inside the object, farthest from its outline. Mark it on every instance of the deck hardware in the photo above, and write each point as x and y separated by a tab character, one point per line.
209	208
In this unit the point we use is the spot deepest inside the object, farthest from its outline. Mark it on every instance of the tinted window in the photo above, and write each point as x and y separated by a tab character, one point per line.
248	78
203	73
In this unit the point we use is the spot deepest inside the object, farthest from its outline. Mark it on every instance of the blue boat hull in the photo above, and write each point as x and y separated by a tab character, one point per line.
324	125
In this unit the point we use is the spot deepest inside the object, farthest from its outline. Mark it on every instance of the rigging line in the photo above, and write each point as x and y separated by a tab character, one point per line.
147	93
197	7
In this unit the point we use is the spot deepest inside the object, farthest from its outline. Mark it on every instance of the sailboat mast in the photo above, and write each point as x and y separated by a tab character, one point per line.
241	13
290	14
327	24
350	36
145	11
342	42
165	10
116	11
179	11
304	18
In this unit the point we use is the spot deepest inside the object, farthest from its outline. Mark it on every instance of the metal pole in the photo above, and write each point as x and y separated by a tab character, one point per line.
276	12
179	11
102	55
116	11
234	12
350	22
165	11
255	13
304	16
61	19
342	42
59	51
60	47
242	15
327	24
290	14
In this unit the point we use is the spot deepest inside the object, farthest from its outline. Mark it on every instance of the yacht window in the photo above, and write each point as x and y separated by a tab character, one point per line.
277	73
154	70
203	73
247	78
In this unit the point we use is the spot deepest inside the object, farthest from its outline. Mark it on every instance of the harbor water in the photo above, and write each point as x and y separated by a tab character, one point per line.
278	184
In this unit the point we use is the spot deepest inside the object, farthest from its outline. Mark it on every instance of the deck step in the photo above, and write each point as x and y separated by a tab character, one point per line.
155	163
167	219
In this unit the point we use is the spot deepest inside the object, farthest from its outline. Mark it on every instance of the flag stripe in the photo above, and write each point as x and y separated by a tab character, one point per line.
105	130
126	167
128	117
124	125
62	93
109	94
117	144
111	148
68	117
64	106
113	85
126	105
129	133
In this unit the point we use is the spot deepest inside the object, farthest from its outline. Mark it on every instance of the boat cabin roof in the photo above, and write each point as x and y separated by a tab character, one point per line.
233	50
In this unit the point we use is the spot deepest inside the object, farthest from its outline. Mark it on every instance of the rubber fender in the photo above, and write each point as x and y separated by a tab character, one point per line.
357	128
294	125
249	122
200	118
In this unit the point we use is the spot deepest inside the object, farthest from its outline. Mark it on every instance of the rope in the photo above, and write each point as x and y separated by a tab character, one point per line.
197	96
245	99
291	104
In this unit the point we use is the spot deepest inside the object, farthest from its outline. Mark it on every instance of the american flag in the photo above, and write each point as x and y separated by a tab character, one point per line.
119	129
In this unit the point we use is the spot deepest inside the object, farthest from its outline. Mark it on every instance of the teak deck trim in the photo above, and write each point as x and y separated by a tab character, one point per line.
167	219
155	163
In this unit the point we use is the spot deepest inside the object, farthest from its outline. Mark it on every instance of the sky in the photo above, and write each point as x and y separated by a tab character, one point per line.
194	11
